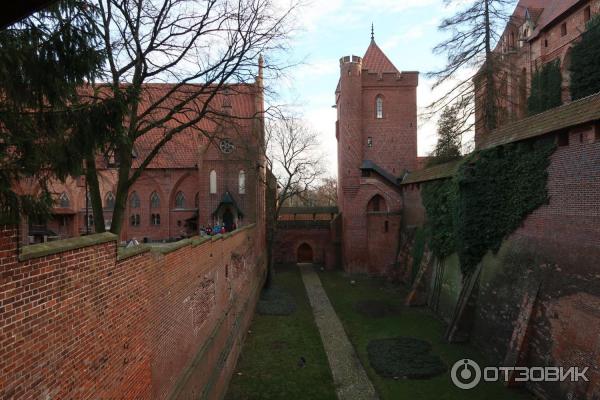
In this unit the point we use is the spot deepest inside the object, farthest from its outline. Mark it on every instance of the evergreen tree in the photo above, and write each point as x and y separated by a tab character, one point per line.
449	141
546	89
585	62
46	128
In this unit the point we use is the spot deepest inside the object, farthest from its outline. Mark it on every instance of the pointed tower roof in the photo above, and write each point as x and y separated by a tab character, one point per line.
376	61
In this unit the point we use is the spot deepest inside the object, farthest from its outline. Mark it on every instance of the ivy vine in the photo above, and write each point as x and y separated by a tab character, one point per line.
489	197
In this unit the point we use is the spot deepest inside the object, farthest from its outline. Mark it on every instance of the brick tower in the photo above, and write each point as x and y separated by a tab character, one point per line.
376	130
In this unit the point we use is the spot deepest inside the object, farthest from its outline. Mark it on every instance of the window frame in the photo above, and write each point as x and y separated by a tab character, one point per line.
379	113
180	200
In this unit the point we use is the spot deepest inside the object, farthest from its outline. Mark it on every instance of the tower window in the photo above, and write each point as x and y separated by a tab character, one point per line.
563	29
369	142
379	107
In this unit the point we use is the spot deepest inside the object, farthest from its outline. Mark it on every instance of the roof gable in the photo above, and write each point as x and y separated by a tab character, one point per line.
376	61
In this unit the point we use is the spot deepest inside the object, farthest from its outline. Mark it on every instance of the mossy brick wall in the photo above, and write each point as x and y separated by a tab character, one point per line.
85	322
557	246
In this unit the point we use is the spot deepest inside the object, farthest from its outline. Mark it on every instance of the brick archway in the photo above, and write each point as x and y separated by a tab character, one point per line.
305	253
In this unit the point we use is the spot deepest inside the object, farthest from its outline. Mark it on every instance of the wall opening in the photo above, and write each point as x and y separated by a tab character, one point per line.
305	253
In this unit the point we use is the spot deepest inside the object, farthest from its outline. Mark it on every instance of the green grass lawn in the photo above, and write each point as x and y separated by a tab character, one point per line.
412	322
269	360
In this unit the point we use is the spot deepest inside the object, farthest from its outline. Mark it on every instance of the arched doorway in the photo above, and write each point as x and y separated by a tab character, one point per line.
228	220
305	253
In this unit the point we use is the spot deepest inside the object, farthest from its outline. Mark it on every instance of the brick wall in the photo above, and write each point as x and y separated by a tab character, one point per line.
558	249
78	321
320	239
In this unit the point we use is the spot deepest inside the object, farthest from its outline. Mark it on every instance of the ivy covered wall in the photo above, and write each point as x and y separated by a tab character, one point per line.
491	194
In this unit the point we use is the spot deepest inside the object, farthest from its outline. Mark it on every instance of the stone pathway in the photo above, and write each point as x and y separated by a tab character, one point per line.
349	376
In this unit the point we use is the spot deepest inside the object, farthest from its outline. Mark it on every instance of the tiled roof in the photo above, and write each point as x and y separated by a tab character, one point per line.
552	10
368	165
571	114
182	150
440	171
376	61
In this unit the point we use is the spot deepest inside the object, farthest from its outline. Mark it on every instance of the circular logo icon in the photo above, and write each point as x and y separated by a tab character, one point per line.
465	374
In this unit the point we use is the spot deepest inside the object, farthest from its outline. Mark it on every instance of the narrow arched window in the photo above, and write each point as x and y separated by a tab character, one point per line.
379	107
109	200
213	182
180	200
154	200
197	200
242	182
64	201
134	200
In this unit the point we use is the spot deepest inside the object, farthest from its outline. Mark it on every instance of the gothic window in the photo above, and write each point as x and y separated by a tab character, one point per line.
135	220
213	182
379	107
155	219
154	200
109	200
369	142
63	200
242	182
88	200
197	200
226	146
134	200
180	200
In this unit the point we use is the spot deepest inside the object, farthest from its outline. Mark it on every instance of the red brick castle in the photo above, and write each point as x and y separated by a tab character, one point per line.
376	130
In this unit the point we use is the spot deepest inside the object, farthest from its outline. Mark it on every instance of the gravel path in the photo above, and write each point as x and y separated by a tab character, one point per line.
349	376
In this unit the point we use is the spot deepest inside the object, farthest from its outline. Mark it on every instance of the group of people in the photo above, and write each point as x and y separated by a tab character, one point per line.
217	229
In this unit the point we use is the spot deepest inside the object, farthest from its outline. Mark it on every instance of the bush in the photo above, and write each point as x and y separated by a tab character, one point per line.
404	357
275	301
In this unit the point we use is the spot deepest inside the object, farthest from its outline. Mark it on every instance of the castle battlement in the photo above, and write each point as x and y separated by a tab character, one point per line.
350	59
405	78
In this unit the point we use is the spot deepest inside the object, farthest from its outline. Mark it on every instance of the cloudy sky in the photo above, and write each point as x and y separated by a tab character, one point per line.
406	30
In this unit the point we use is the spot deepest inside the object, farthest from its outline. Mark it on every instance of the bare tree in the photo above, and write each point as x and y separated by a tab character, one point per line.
199	47
294	158
471	62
